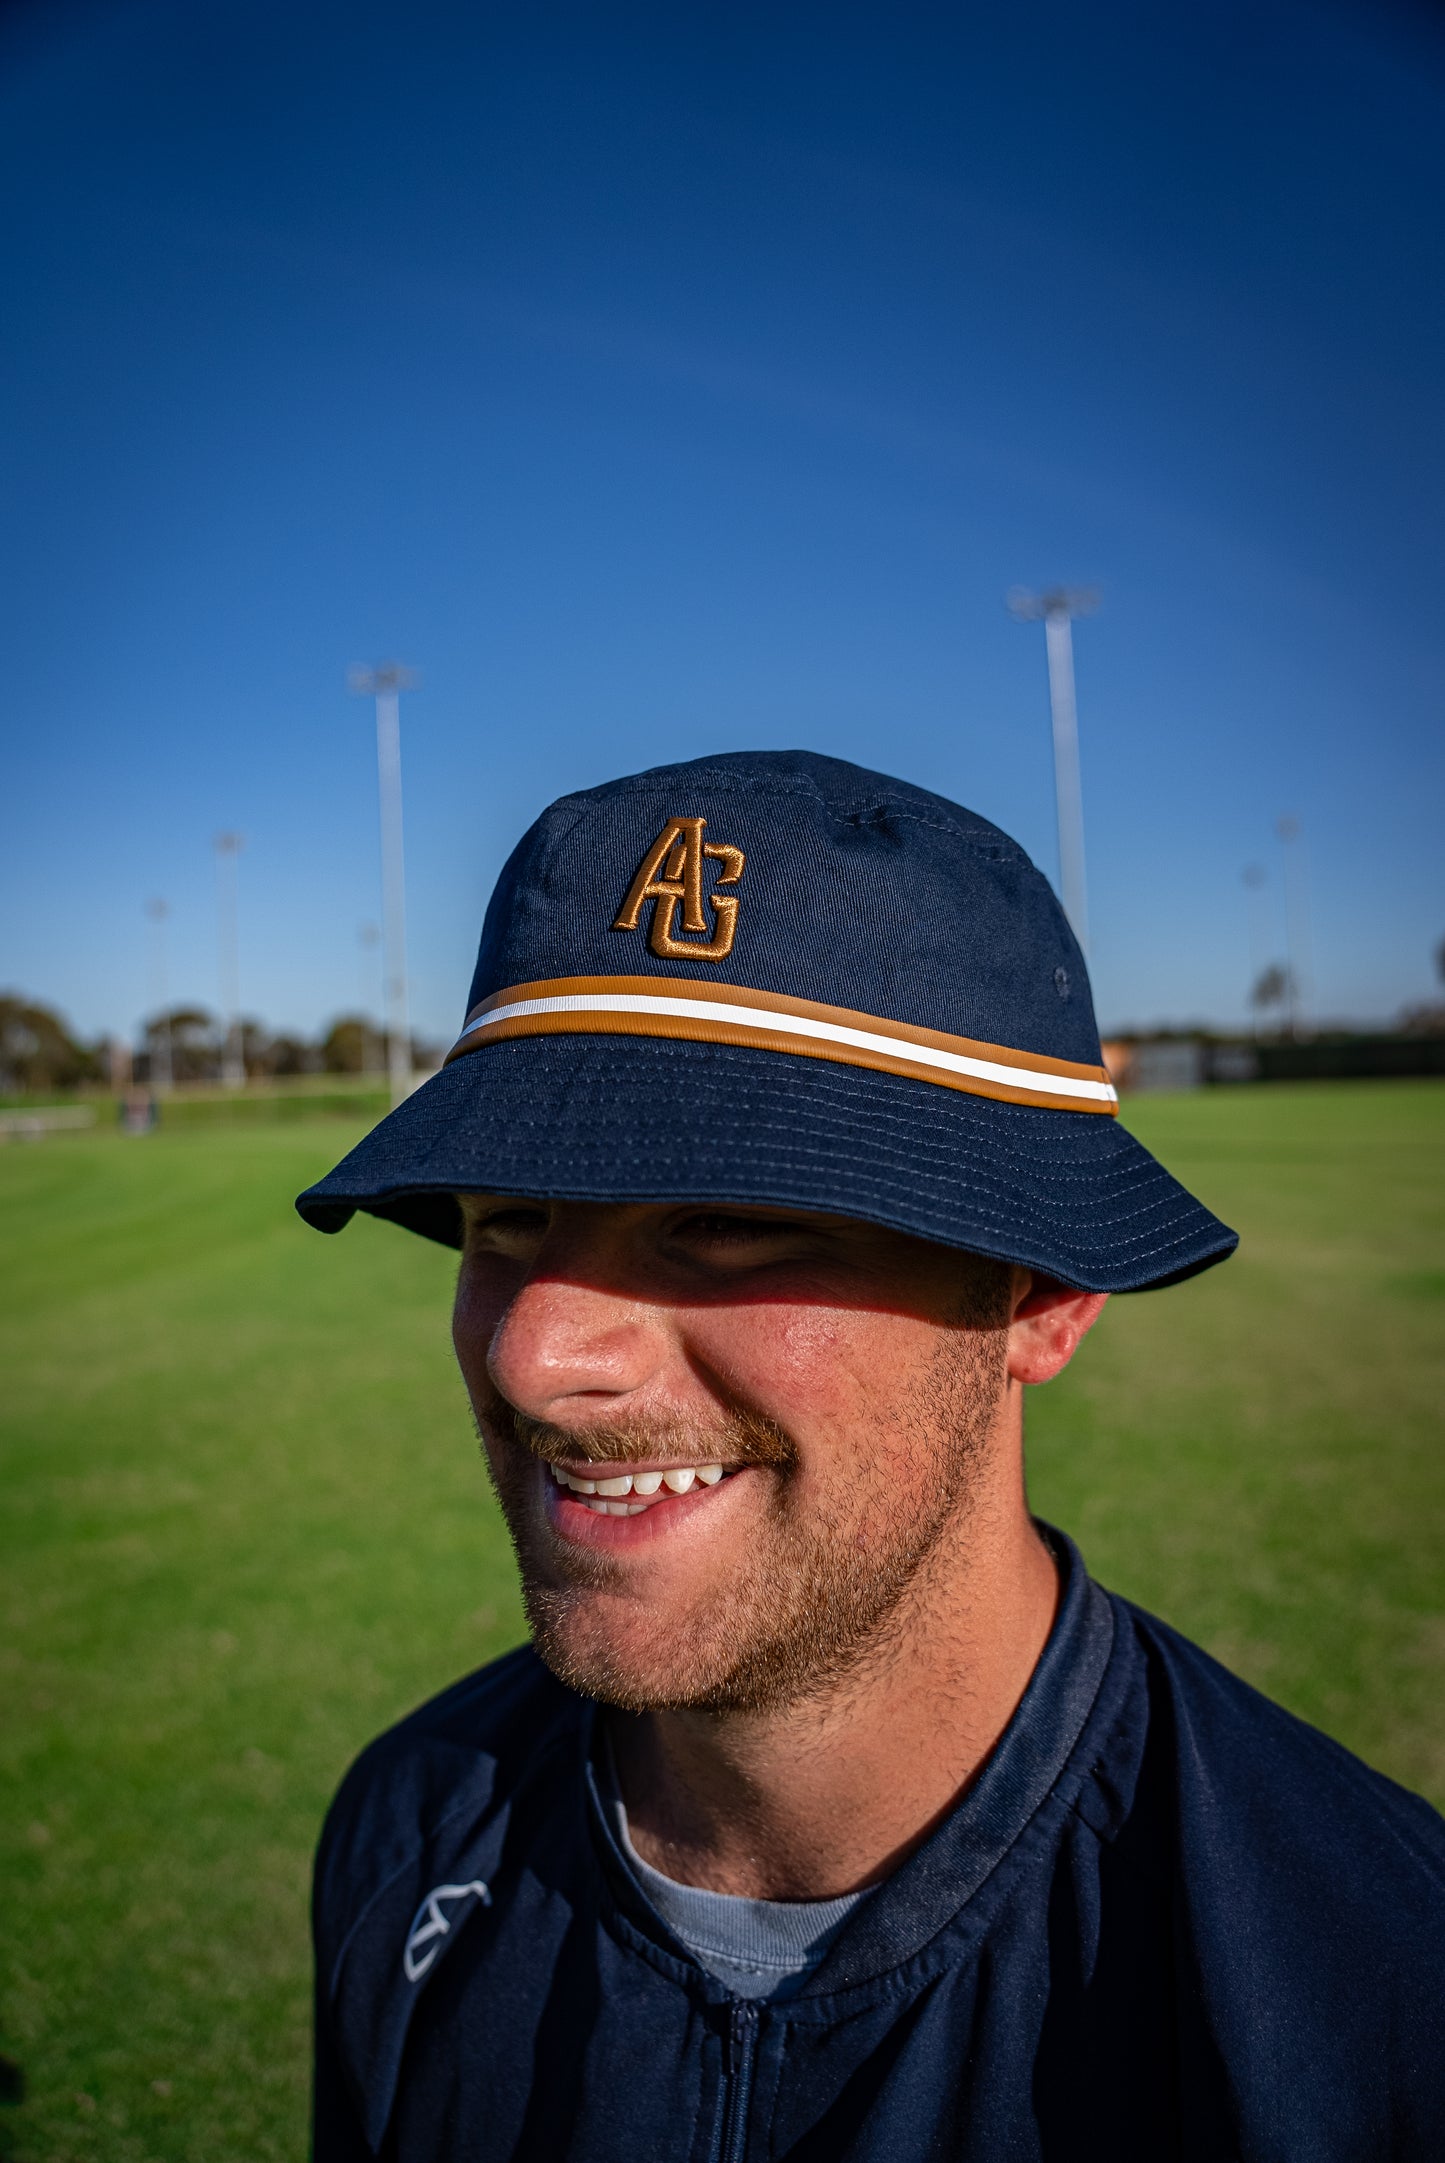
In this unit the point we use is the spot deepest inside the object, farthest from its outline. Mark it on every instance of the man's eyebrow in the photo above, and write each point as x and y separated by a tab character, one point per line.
762	1222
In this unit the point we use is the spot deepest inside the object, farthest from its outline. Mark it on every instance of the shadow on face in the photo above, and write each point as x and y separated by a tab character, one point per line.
843	1377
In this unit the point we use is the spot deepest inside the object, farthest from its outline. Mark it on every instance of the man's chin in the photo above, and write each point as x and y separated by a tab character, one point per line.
634	1661
624	1659
773	1620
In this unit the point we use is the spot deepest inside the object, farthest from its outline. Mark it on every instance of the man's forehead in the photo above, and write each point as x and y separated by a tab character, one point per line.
878	1246
479	1197
477	1201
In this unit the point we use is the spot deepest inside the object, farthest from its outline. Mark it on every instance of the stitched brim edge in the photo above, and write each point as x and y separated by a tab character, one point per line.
1072	1195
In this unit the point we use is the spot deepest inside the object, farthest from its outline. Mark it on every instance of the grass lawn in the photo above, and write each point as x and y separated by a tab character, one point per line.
245	1527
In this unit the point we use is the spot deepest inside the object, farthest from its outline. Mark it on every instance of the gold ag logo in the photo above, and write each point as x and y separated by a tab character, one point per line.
671	877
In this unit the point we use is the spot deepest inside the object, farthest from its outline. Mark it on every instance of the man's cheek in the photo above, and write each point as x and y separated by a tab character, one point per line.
472	1329
482	1294
522	1506
805	1367
465	1325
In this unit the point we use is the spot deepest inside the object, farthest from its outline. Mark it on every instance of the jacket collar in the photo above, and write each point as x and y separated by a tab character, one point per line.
927	1891
938	1879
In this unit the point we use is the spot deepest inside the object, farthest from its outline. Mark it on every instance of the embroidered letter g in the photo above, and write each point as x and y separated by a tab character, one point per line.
670	877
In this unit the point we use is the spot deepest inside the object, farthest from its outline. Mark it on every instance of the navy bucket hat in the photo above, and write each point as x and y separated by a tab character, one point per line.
773	978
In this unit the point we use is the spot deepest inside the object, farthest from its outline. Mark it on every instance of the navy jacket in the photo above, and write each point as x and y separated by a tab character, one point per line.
1166	1921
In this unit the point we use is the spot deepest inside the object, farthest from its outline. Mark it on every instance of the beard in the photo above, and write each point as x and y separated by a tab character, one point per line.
824	1569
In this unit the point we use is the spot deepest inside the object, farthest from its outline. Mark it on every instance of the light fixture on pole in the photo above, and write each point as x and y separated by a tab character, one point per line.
160	1042
385	683
233	1062
1055	608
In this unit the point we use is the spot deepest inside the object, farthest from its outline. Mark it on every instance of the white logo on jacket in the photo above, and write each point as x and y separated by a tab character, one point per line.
429	1925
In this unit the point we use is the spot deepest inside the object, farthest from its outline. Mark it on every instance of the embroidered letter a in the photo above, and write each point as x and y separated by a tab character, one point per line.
671	876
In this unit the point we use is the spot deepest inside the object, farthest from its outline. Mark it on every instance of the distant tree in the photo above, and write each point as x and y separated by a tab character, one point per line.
291	1055
351	1046
37	1050
255	1048
195	1043
1273	988
1427	1020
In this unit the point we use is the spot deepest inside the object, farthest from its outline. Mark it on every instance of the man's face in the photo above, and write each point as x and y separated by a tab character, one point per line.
727	1442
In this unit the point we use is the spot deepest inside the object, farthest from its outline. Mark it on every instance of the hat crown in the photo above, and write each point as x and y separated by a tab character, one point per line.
802	876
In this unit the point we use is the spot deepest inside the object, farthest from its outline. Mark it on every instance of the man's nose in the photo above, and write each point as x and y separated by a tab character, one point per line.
563	1347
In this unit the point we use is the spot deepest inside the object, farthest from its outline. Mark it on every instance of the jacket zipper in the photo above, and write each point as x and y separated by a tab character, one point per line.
741	2041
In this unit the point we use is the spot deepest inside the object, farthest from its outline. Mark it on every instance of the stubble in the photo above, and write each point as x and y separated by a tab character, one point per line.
811	1599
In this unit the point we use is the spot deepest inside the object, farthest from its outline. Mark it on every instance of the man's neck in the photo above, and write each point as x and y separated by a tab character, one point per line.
828	1795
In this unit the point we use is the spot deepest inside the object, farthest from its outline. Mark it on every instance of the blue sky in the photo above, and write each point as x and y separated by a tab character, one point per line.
659	380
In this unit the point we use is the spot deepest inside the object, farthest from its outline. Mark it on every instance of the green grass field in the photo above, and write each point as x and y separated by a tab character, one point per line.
245	1526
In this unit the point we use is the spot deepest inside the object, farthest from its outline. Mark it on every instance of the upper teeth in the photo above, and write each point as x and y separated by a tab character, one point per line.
677	1479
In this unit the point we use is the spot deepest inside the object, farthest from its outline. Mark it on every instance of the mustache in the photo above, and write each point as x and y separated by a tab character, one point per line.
735	1438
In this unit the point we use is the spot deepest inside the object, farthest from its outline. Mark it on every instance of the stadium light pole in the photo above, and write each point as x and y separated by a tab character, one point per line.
1256	879
160	1062
385	683
369	938
1056	608
228	851
1296	929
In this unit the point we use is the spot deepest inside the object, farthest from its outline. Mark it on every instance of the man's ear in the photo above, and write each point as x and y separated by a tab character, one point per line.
1049	1321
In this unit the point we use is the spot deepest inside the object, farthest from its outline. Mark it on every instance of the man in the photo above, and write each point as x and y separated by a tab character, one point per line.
834	1811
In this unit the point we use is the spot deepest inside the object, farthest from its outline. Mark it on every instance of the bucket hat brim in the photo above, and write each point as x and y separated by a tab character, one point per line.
1069	1194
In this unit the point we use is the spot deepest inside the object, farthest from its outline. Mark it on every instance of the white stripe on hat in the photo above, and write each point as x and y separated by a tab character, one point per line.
730	1014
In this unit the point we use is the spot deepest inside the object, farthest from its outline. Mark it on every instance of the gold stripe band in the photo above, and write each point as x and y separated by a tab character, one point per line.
767	1021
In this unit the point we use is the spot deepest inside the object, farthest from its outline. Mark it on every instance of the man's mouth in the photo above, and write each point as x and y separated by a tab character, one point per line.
620	1493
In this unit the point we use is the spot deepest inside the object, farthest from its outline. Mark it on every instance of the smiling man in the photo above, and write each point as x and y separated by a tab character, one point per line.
834	1811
